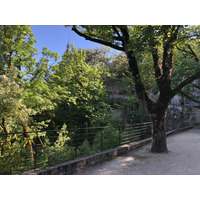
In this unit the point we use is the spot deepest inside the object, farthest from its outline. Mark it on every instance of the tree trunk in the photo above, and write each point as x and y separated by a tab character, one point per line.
159	144
26	134
4	127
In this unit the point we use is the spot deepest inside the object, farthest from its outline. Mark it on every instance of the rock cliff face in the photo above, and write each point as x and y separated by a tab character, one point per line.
116	98
181	112
179	116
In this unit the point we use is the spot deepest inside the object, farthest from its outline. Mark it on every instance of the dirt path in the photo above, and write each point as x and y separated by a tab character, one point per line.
183	158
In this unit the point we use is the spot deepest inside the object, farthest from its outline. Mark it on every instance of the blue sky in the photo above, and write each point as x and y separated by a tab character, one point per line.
56	37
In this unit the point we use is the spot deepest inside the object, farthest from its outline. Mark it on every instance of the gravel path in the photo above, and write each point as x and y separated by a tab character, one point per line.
183	158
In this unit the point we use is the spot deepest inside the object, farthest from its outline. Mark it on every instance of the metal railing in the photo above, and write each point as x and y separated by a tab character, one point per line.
43	148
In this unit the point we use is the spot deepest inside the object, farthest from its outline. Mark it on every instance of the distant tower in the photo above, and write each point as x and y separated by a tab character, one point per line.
67	50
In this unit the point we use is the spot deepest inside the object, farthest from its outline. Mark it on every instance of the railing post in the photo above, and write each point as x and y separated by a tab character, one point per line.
151	129
119	136
35	155
101	140
76	144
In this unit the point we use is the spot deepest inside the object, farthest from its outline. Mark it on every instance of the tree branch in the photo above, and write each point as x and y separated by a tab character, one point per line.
117	32
157	70
167	64
189	97
196	86
193	53
184	50
176	32
4	126
125	36
139	86
185	82
191	78
96	40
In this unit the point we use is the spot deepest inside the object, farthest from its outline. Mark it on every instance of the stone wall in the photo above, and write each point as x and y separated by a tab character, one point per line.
181	116
79	164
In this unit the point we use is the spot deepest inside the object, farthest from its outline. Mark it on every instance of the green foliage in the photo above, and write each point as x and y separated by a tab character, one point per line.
119	66
106	138
84	149
146	40
185	65
14	154
146	70
62	137
100	56
132	110
135	113
12	106
79	88
44	94
110	137
27	91
60	150
17	48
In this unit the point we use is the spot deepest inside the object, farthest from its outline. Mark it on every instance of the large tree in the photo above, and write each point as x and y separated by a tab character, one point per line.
160	44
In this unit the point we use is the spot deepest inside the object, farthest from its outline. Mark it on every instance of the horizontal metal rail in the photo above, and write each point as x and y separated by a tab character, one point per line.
19	153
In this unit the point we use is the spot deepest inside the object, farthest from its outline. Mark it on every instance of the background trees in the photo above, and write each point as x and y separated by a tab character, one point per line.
80	90
46	94
25	91
21	68
124	99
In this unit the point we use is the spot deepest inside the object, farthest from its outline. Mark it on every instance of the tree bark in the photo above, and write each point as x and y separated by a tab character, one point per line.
159	144
157	110
4	127
26	134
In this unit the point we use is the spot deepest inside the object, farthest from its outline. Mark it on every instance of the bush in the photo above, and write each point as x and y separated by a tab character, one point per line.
85	149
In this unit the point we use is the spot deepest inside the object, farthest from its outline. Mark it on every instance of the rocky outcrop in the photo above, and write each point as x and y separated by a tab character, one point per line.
181	112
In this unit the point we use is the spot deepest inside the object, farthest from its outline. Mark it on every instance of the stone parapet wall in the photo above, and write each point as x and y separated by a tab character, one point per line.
79	164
